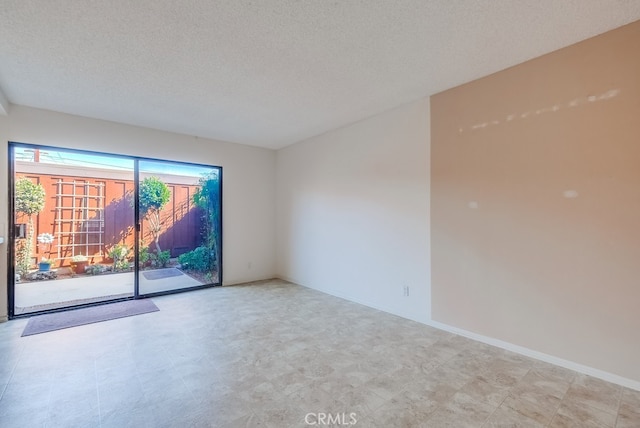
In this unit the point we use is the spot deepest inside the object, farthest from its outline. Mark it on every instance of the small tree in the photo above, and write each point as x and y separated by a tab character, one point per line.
207	197
154	195
29	200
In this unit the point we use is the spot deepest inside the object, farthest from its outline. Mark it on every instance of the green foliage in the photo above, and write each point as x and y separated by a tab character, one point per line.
96	269
143	254
161	258
207	198
23	257
153	195
199	260
29	199
120	254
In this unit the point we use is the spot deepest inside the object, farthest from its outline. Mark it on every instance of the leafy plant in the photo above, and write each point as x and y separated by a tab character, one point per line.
199	260
46	239
96	269
79	258
119	253
29	200
143	254
161	258
207	198
154	194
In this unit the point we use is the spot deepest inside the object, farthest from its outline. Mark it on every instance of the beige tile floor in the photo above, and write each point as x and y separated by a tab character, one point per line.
269	354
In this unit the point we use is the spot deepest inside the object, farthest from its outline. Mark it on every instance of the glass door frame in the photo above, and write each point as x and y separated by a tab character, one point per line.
11	236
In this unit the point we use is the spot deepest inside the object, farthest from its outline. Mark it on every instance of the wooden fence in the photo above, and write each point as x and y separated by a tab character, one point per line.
89	210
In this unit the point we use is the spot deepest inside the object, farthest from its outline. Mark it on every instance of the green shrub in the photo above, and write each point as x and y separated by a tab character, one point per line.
143	254
160	259
96	269
120	253
207	197
199	260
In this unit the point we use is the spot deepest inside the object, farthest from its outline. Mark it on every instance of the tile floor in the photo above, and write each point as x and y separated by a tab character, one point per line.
272	354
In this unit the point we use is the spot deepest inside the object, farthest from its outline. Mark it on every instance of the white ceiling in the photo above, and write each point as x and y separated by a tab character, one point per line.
271	72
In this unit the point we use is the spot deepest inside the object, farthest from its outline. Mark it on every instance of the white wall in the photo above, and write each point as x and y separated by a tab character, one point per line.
353	212
248	179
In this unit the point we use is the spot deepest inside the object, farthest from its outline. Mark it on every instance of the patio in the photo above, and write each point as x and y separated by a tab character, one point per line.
43	295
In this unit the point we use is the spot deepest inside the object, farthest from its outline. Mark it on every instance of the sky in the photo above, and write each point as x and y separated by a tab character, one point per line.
62	157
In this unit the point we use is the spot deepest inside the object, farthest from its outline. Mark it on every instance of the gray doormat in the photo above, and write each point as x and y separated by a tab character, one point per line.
161	273
59	320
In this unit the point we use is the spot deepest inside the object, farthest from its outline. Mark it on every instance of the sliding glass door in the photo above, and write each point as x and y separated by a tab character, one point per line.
70	210
90	228
179	210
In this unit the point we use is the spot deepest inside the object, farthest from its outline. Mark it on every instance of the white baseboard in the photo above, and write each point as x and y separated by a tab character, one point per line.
580	368
239	281
600	374
352	299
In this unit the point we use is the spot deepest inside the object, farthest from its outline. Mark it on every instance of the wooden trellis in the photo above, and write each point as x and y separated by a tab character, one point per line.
79	220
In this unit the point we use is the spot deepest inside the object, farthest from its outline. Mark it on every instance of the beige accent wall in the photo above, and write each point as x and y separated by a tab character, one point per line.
535	204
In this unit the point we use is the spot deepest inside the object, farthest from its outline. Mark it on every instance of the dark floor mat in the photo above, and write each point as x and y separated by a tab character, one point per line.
72	318
161	273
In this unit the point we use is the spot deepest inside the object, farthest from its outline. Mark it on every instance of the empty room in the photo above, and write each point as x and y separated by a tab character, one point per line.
320	213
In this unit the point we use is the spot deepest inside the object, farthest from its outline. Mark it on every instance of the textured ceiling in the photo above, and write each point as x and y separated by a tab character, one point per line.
271	72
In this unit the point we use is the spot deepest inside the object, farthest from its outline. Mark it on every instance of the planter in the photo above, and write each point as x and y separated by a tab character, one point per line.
79	267
44	267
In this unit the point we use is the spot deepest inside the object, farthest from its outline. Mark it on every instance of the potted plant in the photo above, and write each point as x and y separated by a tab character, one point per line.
45	265
79	263
46	239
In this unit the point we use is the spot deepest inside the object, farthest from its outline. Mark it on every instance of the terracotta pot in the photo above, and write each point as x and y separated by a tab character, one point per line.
79	267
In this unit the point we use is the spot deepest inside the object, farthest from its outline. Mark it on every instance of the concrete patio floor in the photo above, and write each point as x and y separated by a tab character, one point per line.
42	295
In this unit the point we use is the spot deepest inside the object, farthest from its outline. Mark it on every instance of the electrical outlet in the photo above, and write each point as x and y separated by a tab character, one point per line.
249	266
405	291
